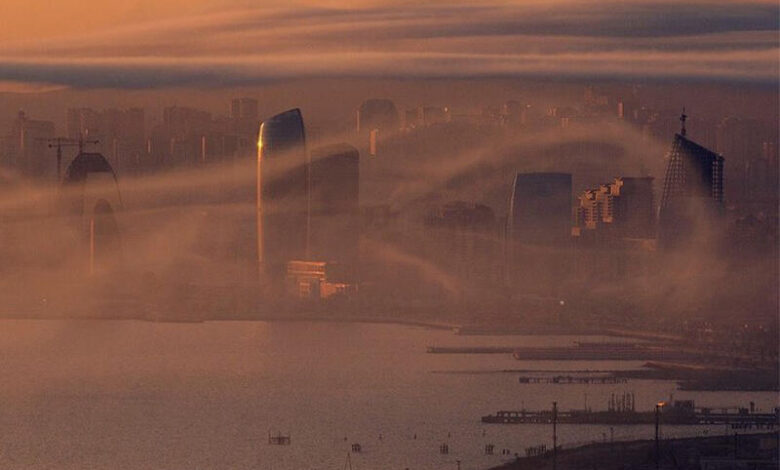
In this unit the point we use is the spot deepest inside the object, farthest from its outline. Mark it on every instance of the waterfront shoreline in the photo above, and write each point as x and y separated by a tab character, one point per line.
640	453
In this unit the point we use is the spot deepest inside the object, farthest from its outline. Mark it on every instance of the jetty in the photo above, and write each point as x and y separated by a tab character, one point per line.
573	379
279	439
606	352
623	412
749	450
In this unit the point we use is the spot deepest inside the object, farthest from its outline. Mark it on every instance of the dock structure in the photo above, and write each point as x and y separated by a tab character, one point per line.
279	439
470	349
584	351
605	352
755	450
680	413
572	379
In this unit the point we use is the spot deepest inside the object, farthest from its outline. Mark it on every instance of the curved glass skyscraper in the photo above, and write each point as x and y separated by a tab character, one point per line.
540	208
282	193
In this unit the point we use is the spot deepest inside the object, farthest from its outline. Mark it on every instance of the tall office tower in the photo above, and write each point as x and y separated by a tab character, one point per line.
461	237
378	114
121	137
183	131
129	151
27	147
693	190
514	113
83	122
244	108
282	193
120	133
540	208
634	207
335	209
537	233
243	127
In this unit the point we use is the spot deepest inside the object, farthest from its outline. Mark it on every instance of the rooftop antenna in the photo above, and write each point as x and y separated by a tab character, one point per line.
683	117
60	142
84	140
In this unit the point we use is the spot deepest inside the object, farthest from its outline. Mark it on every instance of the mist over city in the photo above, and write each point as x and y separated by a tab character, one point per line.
443	235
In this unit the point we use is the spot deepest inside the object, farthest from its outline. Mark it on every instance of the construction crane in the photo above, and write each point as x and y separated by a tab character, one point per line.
59	142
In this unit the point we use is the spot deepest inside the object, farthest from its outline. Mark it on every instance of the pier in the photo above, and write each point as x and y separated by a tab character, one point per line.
573	379
470	349
755	451
582	351
279	439
680	413
605	352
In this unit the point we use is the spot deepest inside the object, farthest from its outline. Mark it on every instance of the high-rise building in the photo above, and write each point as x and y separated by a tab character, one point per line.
182	120
244	108
747	143
244	120
377	114
514	113
538	232
462	237
27	148
634	214
693	189
435	115
623	208
335	210
184	130
120	134
540	208
282	192
83	123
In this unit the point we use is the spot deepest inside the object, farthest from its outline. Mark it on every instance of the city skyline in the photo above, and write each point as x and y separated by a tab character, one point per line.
464	235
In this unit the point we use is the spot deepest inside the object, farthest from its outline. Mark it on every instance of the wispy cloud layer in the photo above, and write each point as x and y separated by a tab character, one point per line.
656	39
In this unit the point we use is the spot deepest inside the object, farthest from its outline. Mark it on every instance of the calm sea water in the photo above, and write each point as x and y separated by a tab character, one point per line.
135	395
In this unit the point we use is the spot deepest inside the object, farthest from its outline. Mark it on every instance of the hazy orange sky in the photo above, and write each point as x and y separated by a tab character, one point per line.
163	43
47	18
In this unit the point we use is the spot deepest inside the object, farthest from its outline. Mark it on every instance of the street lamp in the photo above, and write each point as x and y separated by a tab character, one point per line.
658	407
555	434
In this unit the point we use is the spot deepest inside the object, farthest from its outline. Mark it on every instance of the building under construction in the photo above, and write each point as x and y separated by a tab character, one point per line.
693	191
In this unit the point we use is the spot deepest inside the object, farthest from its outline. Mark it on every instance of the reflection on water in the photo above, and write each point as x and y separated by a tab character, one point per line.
126	395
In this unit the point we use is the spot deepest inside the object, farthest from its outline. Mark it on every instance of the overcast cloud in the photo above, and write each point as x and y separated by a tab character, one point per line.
658	40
